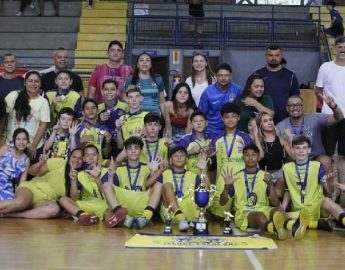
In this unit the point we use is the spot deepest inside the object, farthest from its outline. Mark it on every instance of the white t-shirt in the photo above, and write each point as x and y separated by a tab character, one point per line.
40	112
331	78
197	90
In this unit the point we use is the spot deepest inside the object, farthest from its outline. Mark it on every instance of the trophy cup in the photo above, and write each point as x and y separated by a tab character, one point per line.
227	221
202	198
168	221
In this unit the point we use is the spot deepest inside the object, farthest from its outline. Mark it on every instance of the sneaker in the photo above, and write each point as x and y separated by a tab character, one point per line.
19	13
32	6
278	225
183	225
301	224
141	222
116	218
128	222
88	220
324	224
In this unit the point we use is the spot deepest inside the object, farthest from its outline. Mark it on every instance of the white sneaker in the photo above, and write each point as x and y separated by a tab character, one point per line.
128	222
19	13
183	225
32	6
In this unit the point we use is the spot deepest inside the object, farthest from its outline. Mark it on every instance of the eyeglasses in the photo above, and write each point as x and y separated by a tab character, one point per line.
298	105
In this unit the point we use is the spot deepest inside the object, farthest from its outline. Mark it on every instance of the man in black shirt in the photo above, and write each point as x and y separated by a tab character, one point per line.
9	81
61	63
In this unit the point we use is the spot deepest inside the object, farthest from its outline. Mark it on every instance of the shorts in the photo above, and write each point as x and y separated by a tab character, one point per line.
93	206
241	216
40	191
134	201
314	210
275	176
333	134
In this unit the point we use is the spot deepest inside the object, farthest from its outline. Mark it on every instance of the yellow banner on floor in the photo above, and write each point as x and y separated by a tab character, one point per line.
199	242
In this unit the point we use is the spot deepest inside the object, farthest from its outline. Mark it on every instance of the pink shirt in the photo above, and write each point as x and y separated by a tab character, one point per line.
103	72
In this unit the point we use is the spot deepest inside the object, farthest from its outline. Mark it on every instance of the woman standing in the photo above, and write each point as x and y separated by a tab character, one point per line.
151	86
202	76
253	100
28	109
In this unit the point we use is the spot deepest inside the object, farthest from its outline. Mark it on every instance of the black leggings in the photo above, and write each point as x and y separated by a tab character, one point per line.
23	4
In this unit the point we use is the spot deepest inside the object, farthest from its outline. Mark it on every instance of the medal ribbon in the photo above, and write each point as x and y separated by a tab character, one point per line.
149	151
178	188
134	184
247	182
304	183
229	150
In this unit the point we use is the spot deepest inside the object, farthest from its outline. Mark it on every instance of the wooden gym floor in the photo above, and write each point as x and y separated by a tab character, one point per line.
64	244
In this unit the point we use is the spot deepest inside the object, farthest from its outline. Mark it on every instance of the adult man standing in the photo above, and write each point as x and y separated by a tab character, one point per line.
9	81
216	95
310	125
280	82
61	62
331	81
115	70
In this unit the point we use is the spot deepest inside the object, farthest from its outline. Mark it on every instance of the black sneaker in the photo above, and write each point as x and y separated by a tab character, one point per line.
301	224
324	224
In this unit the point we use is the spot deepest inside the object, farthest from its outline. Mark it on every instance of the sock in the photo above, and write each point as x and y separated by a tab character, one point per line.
342	218
179	215
116	208
148	212
269	227
288	224
78	213
313	224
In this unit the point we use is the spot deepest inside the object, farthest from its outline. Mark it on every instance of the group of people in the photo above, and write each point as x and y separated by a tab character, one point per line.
123	151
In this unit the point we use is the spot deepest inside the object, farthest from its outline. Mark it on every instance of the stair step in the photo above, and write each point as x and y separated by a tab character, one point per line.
120	29
104	13
103	21
101	37
110	5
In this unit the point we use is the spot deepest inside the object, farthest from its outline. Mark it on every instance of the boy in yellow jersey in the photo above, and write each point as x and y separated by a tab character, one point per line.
132	186
179	186
253	194
92	131
61	138
86	201
304	182
198	141
131	124
229	151
63	96
154	149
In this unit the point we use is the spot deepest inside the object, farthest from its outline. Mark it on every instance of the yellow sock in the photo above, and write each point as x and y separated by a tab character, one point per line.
289	224
313	224
148	214
270	227
343	221
179	215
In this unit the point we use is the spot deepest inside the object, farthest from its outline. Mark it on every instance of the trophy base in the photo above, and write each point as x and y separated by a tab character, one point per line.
167	230
200	228
227	231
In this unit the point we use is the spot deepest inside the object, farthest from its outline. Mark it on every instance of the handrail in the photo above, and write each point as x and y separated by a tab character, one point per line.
324	41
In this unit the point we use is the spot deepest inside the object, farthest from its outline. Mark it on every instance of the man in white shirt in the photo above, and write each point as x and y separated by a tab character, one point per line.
331	81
